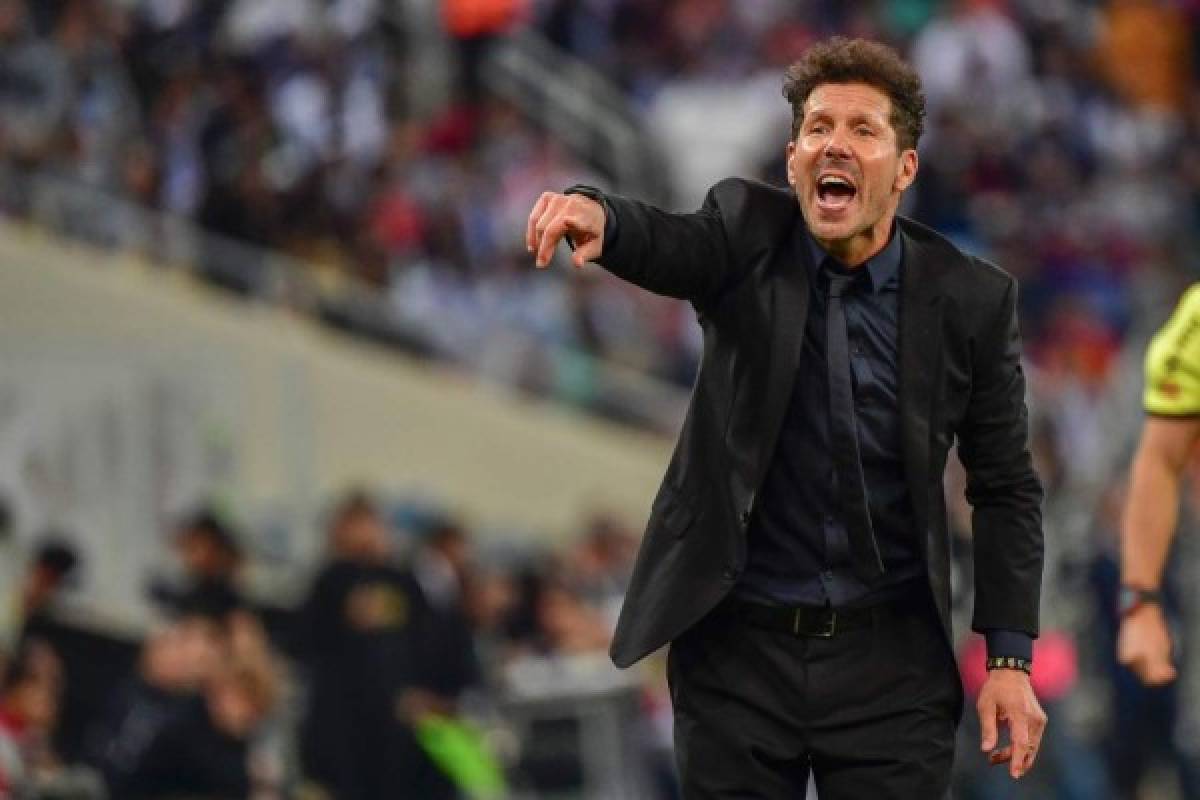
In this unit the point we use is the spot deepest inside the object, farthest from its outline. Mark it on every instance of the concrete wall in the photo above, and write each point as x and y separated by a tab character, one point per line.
128	391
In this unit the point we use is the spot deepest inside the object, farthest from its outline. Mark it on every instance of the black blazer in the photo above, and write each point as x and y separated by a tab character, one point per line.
740	260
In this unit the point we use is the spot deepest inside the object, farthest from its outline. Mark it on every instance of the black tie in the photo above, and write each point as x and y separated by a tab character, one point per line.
843	437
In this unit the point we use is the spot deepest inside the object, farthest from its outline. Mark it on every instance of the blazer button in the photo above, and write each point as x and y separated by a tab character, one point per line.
730	574
745	518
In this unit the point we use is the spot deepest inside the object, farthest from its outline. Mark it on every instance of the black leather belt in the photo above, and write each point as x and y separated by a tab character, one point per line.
813	621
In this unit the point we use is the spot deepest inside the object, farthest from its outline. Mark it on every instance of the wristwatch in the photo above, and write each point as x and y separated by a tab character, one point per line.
590	192
1132	598
610	220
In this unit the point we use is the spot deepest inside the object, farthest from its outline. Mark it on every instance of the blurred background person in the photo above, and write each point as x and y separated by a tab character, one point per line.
30	693
208	557
29	606
205	751
29	697
364	652
176	663
1169	434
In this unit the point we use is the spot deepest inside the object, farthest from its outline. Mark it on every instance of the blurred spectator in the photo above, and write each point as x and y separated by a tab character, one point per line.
1145	51
205	750
600	562
567	625
476	24
443	570
186	723
491	604
973	49
29	695
209	559
31	604
34	85
364	620
29	709
177	661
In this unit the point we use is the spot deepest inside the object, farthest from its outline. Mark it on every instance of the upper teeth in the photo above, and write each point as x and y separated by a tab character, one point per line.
831	179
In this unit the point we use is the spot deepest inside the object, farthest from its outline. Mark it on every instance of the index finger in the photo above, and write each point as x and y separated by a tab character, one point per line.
987	724
551	236
539	208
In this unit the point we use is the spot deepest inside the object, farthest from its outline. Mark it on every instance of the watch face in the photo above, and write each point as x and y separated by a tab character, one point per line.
1130	598
1127	600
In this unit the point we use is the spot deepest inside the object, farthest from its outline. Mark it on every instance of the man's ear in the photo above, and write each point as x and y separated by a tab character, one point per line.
791	164
906	172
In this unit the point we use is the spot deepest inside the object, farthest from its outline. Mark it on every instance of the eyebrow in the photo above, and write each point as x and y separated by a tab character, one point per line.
822	114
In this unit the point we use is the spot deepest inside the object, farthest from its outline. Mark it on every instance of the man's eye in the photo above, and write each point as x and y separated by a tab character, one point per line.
863	130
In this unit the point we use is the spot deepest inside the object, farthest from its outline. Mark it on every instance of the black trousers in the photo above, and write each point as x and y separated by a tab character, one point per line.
869	713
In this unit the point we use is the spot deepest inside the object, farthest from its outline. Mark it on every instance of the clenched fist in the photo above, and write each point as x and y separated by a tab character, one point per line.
557	215
1144	645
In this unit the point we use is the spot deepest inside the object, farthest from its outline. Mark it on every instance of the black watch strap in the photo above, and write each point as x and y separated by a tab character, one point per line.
610	219
1134	597
586	191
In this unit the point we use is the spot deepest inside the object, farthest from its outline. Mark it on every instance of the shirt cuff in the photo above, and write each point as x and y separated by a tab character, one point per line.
1009	644
610	218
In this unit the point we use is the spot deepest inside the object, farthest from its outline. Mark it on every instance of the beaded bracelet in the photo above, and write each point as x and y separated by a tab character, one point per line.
1010	662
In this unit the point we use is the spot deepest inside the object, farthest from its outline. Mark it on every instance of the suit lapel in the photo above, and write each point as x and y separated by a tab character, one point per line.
920	365
789	313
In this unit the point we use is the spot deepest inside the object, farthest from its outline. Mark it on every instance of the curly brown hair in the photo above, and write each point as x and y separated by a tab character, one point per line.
842	60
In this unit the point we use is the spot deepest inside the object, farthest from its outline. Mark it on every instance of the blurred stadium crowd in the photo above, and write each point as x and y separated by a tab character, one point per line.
1063	143
358	691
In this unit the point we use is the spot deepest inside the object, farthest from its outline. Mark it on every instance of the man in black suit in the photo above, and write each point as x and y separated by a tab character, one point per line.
797	555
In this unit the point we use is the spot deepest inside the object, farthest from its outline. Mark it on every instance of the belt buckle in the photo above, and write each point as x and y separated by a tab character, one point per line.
827	631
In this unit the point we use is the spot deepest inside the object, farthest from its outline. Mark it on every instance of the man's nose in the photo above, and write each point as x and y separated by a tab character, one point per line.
837	145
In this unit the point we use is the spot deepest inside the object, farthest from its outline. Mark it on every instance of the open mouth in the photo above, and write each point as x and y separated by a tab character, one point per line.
835	192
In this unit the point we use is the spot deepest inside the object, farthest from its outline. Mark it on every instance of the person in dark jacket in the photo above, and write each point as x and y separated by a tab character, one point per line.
363	623
205	751
176	663
797	556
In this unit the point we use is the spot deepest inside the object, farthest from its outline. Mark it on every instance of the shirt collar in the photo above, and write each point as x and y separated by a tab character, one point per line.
883	268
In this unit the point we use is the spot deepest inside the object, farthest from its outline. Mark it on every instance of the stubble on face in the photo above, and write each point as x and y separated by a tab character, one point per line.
847	171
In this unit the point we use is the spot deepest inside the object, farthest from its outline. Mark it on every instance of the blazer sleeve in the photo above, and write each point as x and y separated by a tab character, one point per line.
1002	487
684	255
